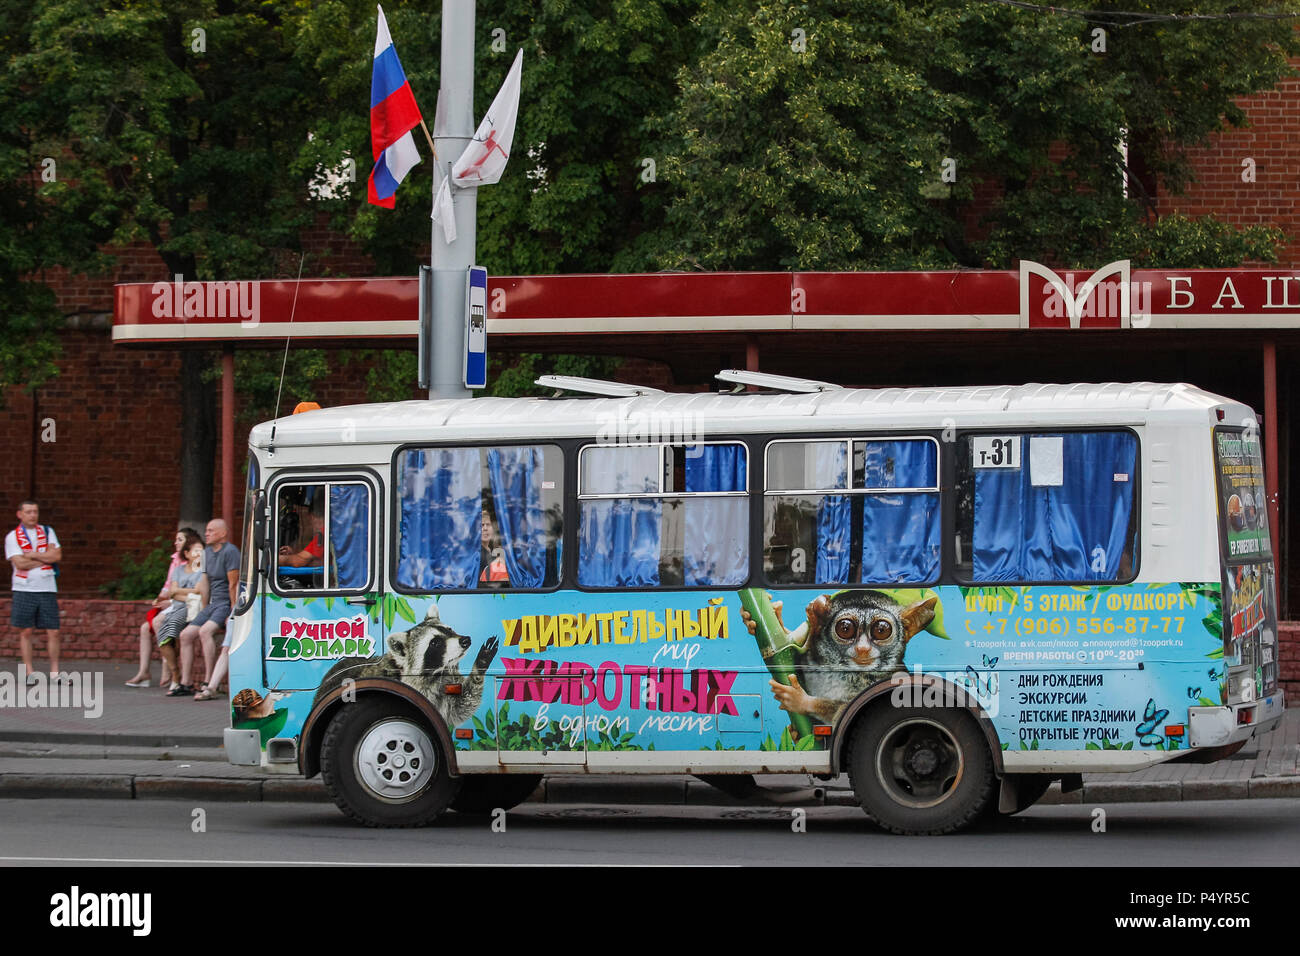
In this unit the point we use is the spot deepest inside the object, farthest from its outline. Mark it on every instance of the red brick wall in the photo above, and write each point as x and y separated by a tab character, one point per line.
1273	142
88	630
1289	661
106	481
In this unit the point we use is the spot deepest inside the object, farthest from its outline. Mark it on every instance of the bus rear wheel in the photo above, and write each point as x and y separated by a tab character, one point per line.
920	771
484	792
383	766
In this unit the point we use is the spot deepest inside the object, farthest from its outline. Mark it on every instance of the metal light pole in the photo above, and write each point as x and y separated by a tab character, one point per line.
453	129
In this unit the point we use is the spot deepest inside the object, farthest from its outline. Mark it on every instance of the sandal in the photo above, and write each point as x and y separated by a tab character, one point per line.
181	690
205	694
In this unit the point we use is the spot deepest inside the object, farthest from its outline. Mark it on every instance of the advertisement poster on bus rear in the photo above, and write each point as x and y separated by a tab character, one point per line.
1242	505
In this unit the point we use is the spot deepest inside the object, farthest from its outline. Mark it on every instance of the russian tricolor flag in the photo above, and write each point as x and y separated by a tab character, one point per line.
393	114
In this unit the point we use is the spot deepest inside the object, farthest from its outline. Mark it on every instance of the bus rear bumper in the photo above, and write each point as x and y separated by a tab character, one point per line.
1232	723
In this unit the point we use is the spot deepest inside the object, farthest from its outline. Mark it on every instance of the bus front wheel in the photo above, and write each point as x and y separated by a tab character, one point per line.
919	770
383	766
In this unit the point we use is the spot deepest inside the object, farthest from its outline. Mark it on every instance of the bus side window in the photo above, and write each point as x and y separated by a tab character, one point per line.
863	510
663	515
322	536
480	518
1047	508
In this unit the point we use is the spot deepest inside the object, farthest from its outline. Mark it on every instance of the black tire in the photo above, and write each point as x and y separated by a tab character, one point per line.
921	770
482	793
382	764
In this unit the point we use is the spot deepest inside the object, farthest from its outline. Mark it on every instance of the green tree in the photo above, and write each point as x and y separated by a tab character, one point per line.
178	120
575	196
44	221
818	136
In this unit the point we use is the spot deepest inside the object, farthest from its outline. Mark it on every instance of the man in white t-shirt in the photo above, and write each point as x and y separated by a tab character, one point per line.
33	549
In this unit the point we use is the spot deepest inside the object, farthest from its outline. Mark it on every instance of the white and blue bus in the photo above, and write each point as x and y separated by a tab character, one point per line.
953	595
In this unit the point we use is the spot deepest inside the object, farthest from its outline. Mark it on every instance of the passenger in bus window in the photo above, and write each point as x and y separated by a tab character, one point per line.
492	558
313	555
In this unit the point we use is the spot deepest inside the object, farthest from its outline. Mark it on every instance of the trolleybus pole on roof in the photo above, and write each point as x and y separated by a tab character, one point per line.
453	128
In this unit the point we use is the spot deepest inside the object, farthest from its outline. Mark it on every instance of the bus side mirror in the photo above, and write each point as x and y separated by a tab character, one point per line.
259	521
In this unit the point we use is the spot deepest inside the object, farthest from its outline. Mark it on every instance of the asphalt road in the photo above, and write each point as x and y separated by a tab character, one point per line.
93	832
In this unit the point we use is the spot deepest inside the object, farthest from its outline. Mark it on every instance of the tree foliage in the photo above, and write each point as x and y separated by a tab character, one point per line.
814	136
739	134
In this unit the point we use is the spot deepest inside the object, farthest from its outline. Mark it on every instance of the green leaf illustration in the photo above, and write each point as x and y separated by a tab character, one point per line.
404	609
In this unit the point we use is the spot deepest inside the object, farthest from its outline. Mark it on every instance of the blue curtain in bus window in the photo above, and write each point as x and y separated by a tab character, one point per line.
441	533
350	534
1082	523
618	543
900	533
717	539
515	476
830	470
1074	531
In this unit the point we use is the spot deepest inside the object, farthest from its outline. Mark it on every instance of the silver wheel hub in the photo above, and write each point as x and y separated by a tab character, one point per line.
395	759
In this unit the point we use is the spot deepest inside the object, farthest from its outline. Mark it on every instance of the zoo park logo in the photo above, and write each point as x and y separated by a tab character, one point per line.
301	640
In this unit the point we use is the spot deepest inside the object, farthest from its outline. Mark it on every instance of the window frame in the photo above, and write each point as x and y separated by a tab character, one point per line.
578	497
937	488
395	516
326	477
958	572
850	490
598	496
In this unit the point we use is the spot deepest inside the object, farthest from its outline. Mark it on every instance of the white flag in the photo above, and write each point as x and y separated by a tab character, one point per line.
443	211
484	159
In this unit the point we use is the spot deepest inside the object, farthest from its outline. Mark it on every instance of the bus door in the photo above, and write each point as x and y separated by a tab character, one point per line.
323	603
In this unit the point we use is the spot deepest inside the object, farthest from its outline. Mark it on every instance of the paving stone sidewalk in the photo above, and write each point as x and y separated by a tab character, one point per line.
145	745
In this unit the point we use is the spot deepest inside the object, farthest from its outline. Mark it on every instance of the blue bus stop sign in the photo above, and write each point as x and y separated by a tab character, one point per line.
476	327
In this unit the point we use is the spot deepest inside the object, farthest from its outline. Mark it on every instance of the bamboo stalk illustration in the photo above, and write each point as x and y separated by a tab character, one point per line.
779	654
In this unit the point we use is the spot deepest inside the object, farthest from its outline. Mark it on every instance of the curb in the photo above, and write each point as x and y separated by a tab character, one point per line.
561	791
110	740
66	786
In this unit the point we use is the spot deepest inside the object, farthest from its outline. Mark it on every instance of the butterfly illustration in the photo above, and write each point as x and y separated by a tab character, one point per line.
1194	693
1216	674
989	662
983	688
1151	718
